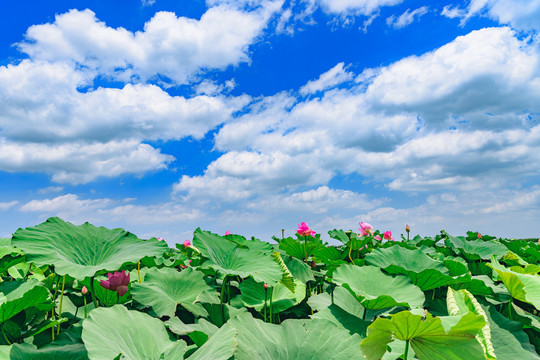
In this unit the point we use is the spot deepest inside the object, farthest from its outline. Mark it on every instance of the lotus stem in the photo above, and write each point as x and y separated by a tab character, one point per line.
221	298
406	350
282	234
139	271
85	309
350	251
265	300
94	300
305	247
61	301
271	292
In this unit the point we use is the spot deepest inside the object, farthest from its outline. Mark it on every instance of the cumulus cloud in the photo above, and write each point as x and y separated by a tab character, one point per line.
335	76
173	48
520	14
459	117
407	18
77	163
8	205
358	7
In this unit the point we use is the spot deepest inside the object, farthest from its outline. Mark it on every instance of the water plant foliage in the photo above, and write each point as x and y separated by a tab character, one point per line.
86	292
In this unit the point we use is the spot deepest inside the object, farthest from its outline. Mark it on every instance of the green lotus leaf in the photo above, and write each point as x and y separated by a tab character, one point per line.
220	346
428	336
509	340
227	258
108	332
524	287
295	248
423	271
375	290
344	319
313	339
9	255
476	249
461	302
49	352
287	279
341	297
526	318
483	285
299	269
253	295
18	295
82	251
253	244
163	289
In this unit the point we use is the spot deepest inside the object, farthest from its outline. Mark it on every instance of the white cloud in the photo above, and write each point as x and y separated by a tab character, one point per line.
357	7
77	163
173	47
407	18
335	76
148	2
64	205
7	205
520	14
51	189
488	70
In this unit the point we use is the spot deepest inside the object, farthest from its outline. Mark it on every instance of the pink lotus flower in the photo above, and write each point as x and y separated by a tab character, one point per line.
377	237
479	235
388	236
117	282
187	243
366	229
304	230
407	228
265	286
227	232
84	290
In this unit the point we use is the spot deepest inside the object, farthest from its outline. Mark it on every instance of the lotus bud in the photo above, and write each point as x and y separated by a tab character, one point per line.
187	243
84	290
479	235
407	228
265	286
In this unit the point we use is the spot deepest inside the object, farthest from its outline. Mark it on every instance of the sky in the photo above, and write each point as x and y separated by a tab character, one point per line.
252	116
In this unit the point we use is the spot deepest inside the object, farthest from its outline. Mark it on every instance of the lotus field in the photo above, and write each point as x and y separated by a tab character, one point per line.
86	292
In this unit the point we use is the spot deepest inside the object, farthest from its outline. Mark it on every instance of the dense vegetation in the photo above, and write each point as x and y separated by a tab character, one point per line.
86	292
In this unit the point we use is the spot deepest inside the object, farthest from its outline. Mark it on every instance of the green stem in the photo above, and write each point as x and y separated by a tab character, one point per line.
61	301
332	295
85	310
350	250
96	305
305	247
271	309
265	300
5	337
510	309
223	283
139	271
406	351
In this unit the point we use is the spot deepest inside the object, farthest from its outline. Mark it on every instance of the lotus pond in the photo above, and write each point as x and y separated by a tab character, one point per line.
87	292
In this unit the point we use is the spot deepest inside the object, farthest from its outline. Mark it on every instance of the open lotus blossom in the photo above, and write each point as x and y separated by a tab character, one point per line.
366	229
160	239
304	230
388	236
227	232
117	282
187	243
377	237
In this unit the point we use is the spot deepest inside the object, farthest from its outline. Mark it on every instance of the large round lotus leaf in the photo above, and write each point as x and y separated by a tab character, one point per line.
429	337
524	287
253	295
376	290
108	332
49	352
82	251
294	339
476	249
163	289
423	271
227	258
15	296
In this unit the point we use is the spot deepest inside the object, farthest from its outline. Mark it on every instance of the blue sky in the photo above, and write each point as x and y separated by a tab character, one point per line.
255	115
